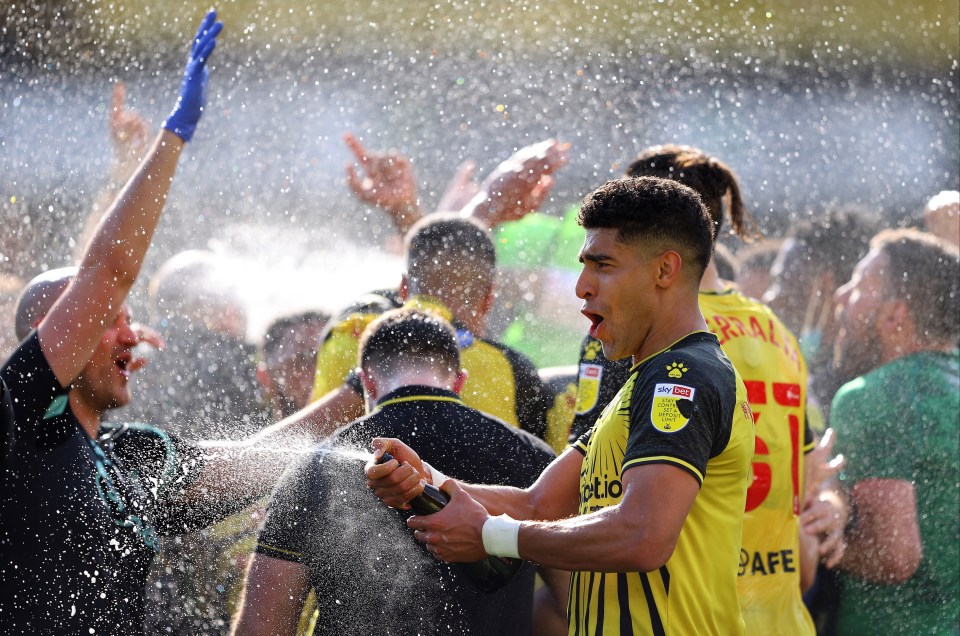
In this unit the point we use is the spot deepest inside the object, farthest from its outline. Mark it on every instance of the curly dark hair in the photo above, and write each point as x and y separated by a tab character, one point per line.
657	211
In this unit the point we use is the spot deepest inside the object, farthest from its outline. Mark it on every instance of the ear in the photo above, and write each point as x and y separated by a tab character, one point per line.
369	384
488	300
404	288
459	381
669	265
263	377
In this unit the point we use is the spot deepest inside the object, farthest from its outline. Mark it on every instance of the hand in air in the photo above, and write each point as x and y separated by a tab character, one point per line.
129	132
193	89
520	184
461	189
387	182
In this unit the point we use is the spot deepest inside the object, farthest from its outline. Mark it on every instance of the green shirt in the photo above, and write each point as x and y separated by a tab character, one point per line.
900	421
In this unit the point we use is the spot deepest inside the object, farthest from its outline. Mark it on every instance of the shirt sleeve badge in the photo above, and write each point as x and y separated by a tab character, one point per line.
588	387
672	407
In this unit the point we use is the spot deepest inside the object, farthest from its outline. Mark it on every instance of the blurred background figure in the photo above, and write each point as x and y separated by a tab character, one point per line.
288	359
754	263
897	428
817	257
726	262
942	216
10	286
207	371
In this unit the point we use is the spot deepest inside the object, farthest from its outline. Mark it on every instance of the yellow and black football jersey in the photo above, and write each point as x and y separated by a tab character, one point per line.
501	382
684	406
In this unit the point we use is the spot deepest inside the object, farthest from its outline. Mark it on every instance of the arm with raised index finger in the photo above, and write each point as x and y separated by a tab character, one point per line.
112	260
388	182
130	134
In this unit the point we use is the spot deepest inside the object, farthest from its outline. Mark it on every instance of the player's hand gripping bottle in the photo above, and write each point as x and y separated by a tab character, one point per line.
492	573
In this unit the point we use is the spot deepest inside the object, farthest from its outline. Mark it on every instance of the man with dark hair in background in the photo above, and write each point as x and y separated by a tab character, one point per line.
646	509
326	531
817	257
897	427
755	262
288	355
451	264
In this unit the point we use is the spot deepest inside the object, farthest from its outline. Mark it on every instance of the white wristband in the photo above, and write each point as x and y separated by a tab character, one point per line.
436	477
501	536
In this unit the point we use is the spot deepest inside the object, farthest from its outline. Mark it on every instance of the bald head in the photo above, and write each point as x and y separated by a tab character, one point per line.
197	285
38	297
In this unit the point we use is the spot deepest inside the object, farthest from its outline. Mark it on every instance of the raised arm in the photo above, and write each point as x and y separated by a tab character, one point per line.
115	253
387	182
518	185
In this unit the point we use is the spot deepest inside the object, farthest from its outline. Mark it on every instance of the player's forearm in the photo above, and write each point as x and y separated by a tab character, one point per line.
251	467
883	542
503	500
603	541
121	240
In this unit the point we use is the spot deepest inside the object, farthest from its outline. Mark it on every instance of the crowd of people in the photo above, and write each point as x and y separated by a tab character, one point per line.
760	435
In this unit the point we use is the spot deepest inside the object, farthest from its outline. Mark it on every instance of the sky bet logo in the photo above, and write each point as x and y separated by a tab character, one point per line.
674	390
601	489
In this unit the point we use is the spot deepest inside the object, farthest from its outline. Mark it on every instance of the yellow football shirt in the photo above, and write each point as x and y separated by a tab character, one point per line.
768	359
685	406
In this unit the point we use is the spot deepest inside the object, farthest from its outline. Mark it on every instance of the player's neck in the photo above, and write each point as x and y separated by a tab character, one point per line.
86	414
675	325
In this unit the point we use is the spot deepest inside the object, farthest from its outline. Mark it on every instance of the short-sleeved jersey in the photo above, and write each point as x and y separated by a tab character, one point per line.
900	421
685	406
79	518
501	382
7	425
323	516
767	357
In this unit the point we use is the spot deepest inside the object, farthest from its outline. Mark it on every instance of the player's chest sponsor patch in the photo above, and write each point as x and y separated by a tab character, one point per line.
588	387
672	407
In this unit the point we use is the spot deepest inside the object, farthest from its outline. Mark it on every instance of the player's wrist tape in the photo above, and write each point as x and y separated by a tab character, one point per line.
501	536
436	477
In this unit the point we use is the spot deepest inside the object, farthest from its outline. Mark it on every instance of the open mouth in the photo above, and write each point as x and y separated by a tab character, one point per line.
595	320
122	362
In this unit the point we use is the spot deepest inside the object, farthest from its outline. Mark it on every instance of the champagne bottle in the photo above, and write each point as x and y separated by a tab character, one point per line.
490	574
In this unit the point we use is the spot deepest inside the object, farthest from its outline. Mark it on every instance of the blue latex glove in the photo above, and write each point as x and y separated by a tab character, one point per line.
182	122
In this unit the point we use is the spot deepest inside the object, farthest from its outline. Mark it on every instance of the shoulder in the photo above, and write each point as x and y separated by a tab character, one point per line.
27	370
357	314
698	358
517	439
515	358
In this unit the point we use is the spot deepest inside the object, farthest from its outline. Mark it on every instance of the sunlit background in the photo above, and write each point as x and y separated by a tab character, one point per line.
812	104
